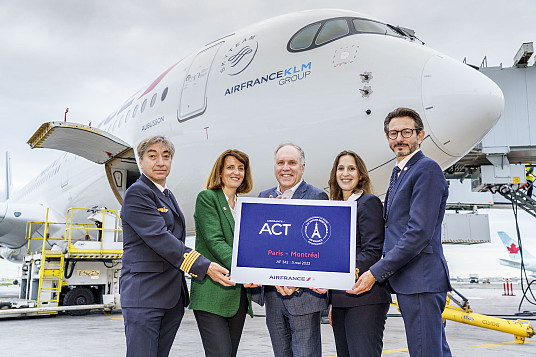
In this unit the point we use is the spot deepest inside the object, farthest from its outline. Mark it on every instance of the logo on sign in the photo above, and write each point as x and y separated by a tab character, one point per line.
239	56
286	277
275	227
316	230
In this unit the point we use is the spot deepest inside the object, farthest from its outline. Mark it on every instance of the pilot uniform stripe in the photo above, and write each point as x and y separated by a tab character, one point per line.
189	260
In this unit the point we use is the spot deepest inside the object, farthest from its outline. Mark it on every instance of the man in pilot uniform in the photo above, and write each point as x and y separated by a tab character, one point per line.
413	262
153	288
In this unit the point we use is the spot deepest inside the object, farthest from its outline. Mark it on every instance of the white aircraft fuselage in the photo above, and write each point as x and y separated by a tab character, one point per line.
255	88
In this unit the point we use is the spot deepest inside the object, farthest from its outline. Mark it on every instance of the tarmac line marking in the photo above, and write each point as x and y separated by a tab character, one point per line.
386	351
501	344
395	350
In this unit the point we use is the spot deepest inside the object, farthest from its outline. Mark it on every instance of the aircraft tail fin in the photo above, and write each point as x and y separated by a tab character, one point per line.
8	187
512	248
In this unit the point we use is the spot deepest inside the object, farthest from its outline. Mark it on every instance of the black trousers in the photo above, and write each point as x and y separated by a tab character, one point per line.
221	335
150	332
358	330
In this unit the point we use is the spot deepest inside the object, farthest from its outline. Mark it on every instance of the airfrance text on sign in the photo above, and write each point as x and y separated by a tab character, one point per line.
306	243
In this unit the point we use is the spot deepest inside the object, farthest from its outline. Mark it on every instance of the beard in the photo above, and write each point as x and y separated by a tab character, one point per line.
408	149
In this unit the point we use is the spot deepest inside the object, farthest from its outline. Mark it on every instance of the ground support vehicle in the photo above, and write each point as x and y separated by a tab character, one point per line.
74	272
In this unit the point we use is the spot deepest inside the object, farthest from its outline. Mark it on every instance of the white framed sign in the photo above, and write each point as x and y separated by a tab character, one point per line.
302	243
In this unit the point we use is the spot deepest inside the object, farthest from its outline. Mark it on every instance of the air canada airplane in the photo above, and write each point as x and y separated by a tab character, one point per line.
514	253
323	79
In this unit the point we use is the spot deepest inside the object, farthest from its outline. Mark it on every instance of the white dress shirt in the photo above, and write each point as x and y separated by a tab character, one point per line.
288	193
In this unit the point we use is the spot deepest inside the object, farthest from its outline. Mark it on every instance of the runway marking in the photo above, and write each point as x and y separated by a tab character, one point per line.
501	344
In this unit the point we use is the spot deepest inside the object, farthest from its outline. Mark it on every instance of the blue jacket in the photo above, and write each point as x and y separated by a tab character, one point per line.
154	255
413	256
369	245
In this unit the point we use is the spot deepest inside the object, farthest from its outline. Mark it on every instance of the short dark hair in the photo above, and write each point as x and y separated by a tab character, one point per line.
214	179
147	142
403	112
335	191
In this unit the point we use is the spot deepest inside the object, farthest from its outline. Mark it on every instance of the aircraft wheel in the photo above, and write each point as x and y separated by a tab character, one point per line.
78	296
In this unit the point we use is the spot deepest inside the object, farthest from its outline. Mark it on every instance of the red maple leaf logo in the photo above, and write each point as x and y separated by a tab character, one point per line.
513	249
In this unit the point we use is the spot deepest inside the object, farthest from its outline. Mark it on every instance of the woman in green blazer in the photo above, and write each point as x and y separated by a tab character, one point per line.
220	311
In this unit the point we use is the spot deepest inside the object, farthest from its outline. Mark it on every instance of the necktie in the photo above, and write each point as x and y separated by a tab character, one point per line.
168	194
394	177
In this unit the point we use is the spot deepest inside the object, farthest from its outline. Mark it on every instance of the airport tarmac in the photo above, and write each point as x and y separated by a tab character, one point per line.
101	335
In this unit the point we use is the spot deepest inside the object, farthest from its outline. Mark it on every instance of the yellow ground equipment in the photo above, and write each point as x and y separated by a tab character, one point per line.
76	264
463	313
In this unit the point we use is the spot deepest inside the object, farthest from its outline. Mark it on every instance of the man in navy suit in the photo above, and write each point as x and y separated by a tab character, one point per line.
153	288
413	260
293	314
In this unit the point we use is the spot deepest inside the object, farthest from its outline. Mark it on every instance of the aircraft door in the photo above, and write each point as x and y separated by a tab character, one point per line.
193	101
93	144
120	179
122	171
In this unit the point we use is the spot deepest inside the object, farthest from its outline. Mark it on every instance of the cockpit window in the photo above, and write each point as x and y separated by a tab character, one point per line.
332	30
304	38
368	26
320	33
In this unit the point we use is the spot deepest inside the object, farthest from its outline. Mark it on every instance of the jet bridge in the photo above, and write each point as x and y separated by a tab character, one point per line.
495	171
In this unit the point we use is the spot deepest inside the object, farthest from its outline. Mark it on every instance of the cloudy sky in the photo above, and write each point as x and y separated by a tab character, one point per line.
89	56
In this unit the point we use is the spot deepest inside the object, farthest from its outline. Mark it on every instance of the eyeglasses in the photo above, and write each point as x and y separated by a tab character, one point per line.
406	133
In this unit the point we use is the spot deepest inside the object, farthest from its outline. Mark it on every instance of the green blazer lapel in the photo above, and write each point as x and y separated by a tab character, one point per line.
226	209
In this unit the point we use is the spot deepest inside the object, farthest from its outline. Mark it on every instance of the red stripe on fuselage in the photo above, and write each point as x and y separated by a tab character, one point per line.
157	80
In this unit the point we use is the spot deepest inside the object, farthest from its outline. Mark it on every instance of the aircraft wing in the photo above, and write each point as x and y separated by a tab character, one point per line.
79	139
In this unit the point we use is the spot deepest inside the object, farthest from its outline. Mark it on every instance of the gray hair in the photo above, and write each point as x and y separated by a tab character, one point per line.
147	142
300	150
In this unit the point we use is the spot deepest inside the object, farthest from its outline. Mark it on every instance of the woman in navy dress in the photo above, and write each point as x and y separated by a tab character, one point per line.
358	321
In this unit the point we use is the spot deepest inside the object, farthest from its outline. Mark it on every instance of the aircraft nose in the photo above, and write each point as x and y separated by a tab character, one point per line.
461	104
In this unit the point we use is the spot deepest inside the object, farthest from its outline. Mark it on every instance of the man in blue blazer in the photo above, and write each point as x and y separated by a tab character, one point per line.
152	286
293	314
413	260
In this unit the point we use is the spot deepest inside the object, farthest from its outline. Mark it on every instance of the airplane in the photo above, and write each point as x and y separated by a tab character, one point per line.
323	79
514	252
